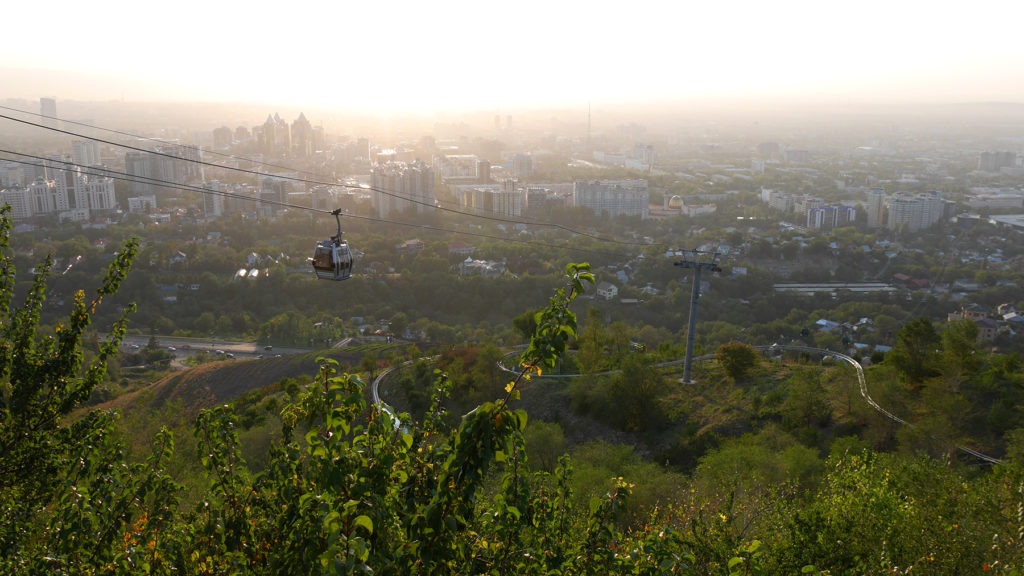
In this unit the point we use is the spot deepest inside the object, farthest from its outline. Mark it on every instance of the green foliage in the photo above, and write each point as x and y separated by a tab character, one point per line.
351	488
916	351
736	359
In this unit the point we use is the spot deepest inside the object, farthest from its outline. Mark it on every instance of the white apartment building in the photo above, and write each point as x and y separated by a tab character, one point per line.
500	199
99	194
47	197
616	197
20	200
399	186
913	213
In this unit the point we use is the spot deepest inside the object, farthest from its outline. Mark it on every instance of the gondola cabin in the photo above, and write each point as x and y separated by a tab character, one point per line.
332	260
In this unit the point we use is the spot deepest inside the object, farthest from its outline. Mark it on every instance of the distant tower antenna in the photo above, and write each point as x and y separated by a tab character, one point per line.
588	123
698	261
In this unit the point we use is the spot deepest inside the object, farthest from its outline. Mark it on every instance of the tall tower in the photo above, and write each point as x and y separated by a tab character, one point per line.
48	108
588	124
874	206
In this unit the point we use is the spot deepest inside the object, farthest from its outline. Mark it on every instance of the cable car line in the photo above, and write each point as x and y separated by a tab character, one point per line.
151	139
125	177
192	188
320	183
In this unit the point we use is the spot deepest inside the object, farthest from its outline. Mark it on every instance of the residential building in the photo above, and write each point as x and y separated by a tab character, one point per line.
913	213
399	186
141	204
875	206
993	161
614	197
20	200
830	217
302	137
485	268
86	153
213	202
410	246
459	169
461	248
522	166
222	138
138	167
47	197
99	194
275	136
501	199
607	290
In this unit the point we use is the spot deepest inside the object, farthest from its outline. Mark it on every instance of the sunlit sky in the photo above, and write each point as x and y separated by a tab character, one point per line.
415	55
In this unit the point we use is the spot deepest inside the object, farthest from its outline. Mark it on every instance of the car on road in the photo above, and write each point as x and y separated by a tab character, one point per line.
172	349
268	348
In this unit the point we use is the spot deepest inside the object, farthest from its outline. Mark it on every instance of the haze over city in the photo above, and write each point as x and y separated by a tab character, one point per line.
416	57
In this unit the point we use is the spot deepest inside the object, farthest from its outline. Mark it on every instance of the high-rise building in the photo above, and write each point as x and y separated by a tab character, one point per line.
483	171
615	197
913	213
20	200
66	177
275	136
400	186
522	166
504	199
86	153
993	161
536	202
874	207
11	174
47	198
100	194
222	138
138	167
213	203
48	109
169	163
302	137
804	204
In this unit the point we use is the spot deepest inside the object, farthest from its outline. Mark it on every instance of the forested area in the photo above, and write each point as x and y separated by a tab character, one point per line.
772	476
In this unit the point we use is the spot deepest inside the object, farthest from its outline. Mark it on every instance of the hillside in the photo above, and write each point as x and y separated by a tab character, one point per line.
215	383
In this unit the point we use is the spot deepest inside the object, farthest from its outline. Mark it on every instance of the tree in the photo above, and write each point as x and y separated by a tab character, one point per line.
736	359
959	348
526	323
916	352
42	379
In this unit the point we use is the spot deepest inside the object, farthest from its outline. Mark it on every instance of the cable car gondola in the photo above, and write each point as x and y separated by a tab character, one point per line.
332	259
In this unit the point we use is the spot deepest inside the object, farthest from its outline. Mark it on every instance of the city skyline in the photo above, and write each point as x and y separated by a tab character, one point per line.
411	57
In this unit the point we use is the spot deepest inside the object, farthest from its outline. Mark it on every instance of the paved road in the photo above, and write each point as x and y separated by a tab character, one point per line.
194	345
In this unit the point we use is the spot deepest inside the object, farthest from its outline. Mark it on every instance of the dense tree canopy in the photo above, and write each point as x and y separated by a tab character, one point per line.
350	488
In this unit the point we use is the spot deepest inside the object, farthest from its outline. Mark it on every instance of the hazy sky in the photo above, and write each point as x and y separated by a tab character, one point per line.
506	55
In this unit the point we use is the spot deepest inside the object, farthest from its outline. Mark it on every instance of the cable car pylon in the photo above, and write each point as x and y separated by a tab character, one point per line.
698	261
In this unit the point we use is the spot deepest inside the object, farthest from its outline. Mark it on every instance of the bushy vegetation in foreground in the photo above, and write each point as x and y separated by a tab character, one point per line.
350	489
